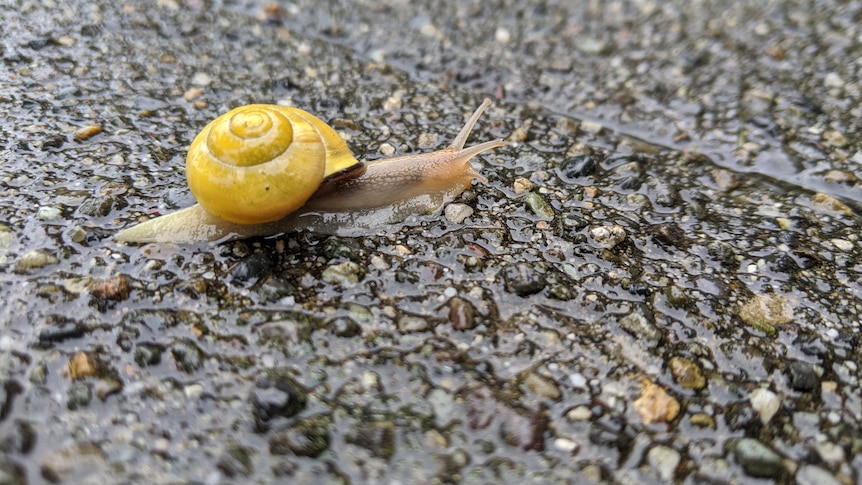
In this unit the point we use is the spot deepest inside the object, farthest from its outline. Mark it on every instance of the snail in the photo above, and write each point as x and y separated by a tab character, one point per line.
262	170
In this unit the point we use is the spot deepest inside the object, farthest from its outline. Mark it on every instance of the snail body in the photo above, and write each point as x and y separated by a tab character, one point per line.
261	170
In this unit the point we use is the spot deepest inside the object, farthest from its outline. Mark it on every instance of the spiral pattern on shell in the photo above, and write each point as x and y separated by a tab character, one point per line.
258	163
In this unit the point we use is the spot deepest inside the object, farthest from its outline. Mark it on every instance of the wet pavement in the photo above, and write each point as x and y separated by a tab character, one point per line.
659	282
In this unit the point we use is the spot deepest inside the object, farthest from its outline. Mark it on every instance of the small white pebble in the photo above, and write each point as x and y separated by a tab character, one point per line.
201	79
502	35
564	444
578	381
46	213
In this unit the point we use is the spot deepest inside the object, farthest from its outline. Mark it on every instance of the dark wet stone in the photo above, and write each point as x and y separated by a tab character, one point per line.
812	345
723	253
187	355
78	395
254	267
12	473
784	263
629	176
676	296
147	355
309	437
522	279
803	377
345	327
641	327
461	314
235	461
18	437
8	391
378	438
757	459
276	395
96	206
670	234
61	330
273	288
664	193
741	416
577	167
572	222
53	142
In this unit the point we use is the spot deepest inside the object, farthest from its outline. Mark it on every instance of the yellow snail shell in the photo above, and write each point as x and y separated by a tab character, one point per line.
262	169
259	163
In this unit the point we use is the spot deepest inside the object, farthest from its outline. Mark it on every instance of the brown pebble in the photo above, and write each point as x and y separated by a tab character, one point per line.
461	314
88	131
519	135
686	373
80	367
115	288
655	405
193	93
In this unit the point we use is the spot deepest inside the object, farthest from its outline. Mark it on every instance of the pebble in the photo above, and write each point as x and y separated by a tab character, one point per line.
522	279
522	185
566	445
187	356
827	203
47	213
86	132
201	79
35	259
608	237
686	373
276	395
579	413
765	402
457	213
309	437
97	206
345	327
115	288
639	326
769	309
578	381
757	459
347	273
655	405
412	324
461	314
724	179
814	475
664	460
803	377
80	366
577	167
539	206
842	244
236	461
376	437
542	386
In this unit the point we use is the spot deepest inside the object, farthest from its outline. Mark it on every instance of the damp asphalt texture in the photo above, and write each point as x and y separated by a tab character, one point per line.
660	281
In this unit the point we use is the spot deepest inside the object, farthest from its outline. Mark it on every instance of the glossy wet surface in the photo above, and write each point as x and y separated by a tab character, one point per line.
661	279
